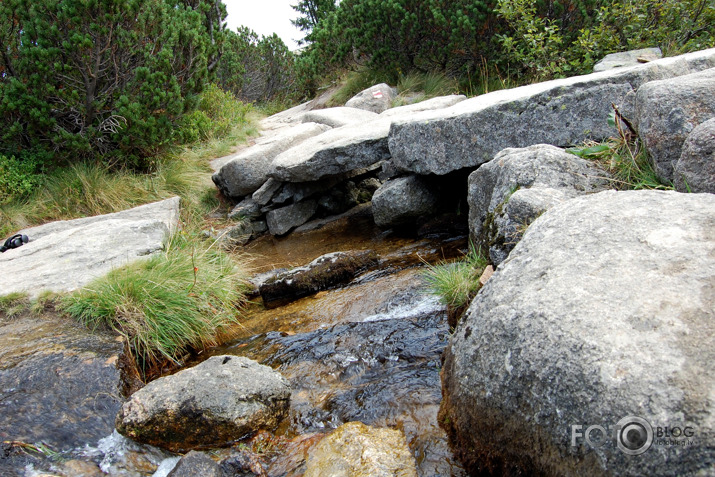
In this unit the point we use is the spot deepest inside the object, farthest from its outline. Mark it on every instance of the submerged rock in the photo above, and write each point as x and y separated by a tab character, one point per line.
210	405
357	450
66	255
376	98
604	310
695	170
500	209
667	111
322	273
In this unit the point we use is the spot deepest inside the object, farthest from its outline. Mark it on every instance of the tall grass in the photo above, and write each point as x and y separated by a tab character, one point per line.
174	302
456	283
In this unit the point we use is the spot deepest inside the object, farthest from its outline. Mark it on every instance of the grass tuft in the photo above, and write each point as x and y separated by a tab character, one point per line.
168	305
456	283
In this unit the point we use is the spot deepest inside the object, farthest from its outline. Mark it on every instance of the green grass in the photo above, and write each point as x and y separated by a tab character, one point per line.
180	300
456	283
626	161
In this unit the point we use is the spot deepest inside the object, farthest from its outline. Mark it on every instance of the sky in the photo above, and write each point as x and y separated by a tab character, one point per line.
265	17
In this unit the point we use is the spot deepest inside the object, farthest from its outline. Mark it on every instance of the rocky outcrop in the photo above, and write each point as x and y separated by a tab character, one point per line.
249	170
338	117
322	273
431	104
668	110
403	200
210	405
695	170
66	255
628	58
508	193
376	98
561	112
357	450
604	310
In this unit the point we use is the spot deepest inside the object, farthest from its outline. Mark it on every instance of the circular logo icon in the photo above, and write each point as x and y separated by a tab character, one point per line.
634	435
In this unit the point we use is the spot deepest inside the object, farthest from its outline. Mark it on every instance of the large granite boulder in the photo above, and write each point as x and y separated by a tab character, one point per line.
561	112
337	117
376	98
357	450
249	169
667	111
628	58
322	273
601	316
210	405
695	170
66	255
500	208
402	201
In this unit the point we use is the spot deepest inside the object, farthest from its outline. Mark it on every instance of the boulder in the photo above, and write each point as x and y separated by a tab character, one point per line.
281	221
667	111
439	102
212	404
265	193
601	316
334	152
249	169
66	255
628	58
695	170
357	450
561	112
322	273
337	117
376	98
495	223
403	200
247	209
196	464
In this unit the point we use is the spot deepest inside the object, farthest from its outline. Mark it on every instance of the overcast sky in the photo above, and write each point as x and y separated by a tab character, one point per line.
265	17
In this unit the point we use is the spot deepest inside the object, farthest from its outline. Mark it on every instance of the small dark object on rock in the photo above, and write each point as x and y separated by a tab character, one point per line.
17	240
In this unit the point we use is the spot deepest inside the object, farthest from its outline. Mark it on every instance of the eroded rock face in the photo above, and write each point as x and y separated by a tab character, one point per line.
210	405
376	98
322	273
66	255
628	58
403	200
604	310
695	170
249	170
667	111
561	112
500	209
357	450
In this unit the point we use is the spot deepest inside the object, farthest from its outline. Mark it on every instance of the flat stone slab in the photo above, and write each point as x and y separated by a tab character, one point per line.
561	112
66	255
440	102
338	117
627	58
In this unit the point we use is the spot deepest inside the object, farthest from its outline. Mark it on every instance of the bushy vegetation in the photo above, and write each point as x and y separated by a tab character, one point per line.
178	301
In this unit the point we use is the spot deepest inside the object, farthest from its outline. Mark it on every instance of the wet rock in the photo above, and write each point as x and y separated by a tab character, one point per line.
249	170
68	254
196	464
265	193
695	170
666	113
322	273
337	117
628	58
210	405
402	201
357	450
376	98
79	468
561	112
604	310
439	102
243	464
60	384
281	221
499	208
